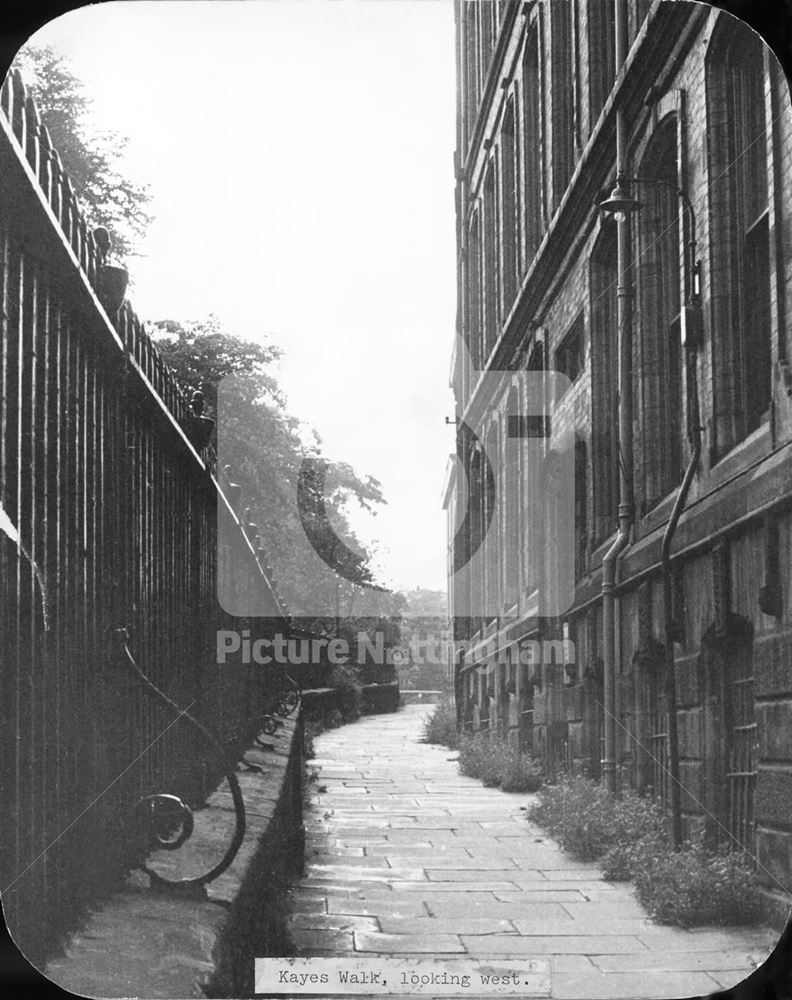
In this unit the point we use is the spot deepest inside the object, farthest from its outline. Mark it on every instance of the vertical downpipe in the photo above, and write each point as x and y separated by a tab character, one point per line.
625	511
692	309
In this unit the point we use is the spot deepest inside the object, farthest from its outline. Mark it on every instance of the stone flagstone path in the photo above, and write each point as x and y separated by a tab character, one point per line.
405	857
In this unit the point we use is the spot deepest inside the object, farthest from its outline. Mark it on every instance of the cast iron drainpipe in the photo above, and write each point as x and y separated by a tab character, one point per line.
622	540
694	436
625	511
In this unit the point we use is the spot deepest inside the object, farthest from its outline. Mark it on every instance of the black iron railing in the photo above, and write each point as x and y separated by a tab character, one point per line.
108	519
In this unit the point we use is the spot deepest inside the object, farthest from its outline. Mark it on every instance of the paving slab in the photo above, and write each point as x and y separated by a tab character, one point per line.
342	870
619	908
377	906
413	944
646	986
445	904
447	925
692	961
339	887
555	944
557	874
442	885
413	859
541	882
333	922
727	980
316	940
678	940
303	902
434	857
462	874
337	852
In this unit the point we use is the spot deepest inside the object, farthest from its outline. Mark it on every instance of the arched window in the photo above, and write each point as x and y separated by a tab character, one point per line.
659	308
509	209
740	271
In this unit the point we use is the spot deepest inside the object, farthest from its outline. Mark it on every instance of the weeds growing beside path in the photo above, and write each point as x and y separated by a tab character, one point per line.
498	764
483	755
629	837
441	725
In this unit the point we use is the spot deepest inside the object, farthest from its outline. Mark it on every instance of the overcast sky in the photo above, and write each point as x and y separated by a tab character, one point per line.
300	156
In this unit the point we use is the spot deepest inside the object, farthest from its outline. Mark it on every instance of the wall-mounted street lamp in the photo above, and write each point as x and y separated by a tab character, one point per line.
620	205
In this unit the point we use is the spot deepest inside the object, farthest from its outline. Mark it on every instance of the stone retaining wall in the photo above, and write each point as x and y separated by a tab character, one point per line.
167	943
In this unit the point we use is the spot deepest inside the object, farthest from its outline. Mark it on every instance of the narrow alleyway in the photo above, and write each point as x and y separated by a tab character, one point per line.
406	857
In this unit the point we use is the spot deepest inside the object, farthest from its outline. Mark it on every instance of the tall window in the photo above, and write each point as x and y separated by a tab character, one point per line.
569	355
472	90
487	10
604	382
563	83
641	12
476	535
513	448
532	146
659	298
473	282
531	493
740	237
509	209
490	263
602	54
490	527
636	15
581	507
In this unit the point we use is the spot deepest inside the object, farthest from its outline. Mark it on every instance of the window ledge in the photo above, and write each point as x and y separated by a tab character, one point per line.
752	449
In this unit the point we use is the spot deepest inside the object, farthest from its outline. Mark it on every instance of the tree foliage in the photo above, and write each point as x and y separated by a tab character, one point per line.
91	157
265	446
424	635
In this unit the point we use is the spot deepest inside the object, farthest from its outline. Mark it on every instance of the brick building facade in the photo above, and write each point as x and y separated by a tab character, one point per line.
671	324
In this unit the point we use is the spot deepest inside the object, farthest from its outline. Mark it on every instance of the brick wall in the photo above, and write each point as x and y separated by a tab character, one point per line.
567	720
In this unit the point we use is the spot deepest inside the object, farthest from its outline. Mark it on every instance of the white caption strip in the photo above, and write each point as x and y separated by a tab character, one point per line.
353	975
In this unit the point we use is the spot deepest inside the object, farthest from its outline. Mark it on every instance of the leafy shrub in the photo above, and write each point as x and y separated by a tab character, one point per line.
478	758
521	774
441	726
311	730
693	886
698	885
333	719
496	763
576	813
589	824
349	693
638	830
